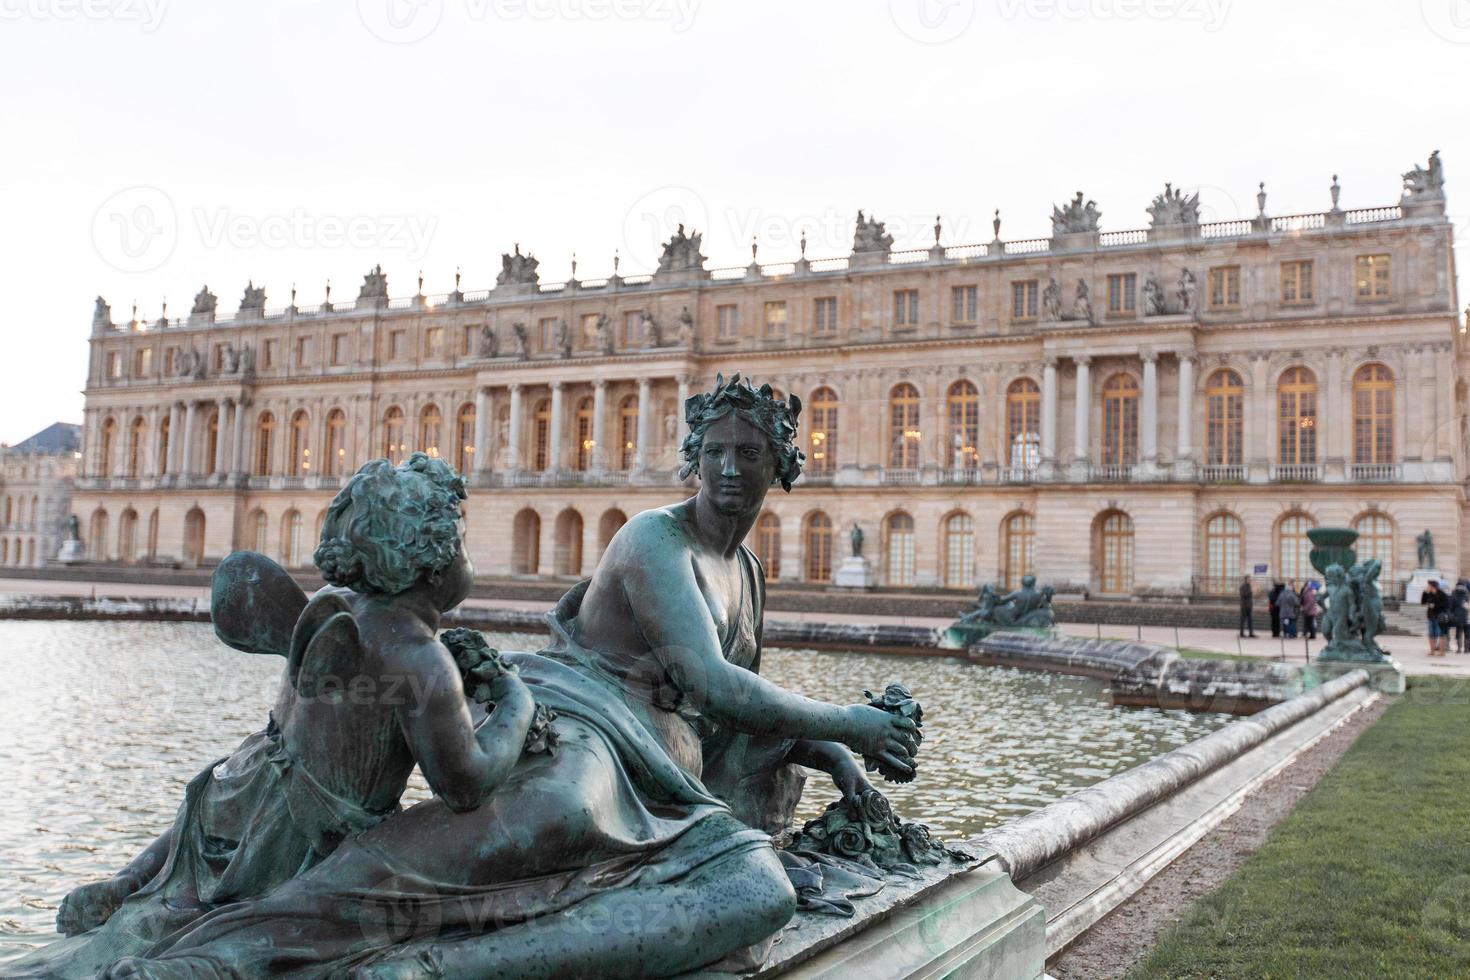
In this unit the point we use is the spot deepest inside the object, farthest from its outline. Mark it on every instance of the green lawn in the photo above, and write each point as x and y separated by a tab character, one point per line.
1368	877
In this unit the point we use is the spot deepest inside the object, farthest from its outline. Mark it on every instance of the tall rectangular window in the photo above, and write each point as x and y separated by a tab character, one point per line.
1122	292
397	344
143	363
905	307
269	352
1023	299
1296	283
727	321
545	332
339	348
469	342
434	342
589	330
633	328
965	303
824	316
114	365
303	351
776	319
1371	276
1225	287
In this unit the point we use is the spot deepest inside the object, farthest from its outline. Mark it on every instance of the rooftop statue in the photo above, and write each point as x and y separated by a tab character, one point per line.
1174	208
616	764
1082	303
604	333
685	330
516	268
649	328
489	341
1153	298
204	303
1025	608
1425	183
1075	216
520	342
1051	301
254	299
101	314
681	252
374	285
1184	291
871	235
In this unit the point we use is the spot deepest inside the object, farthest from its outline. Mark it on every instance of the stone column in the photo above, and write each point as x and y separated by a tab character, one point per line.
175	438
513	441
1260	417
237	438
599	425
150	458
482	429
1082	414
1444	383
186	465
1049	413
1148	436
1334	425
553	444
222	440
1185	450
645	423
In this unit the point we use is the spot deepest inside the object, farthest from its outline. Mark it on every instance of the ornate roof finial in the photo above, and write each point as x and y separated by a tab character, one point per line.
163	314
1261	199
616	261
456	279
329	289
1336	191
293	295
421	282
996	223
803	243
135	311
754	247
574	265
937	228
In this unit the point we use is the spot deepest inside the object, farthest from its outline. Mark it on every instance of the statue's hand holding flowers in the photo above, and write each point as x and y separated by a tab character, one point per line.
490	680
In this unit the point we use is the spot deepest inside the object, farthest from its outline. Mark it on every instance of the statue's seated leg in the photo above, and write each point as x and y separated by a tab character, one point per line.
651	931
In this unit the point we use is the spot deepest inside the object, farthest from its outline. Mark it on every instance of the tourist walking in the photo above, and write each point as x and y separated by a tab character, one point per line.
1273	598
1310	609
1247	610
1290	606
1437	617
1460	614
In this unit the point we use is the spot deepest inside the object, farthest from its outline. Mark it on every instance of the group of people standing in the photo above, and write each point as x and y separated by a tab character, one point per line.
1295	609
1447	610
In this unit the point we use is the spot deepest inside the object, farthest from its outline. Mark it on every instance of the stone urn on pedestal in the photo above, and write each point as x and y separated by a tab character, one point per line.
1332	546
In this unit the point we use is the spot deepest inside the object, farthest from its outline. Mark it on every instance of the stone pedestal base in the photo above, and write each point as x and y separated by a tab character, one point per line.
854	573
71	552
1421	577
1386	677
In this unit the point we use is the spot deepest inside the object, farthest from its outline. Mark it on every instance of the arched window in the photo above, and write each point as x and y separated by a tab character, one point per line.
525	548
1224	419
1294	549
104	453
431	430
1023	426
823	455
211	442
194	537
818	540
395	438
265	431
768	545
137	439
1373	415
568	555
165	424
628	431
959	551
1375	540
9	511
1224	541
258	532
1019	548
31	551
612	521
1120	421
1296	416
291	539
898	532
903	425
299	461
336	456
127	536
541	441
465	439
1115	552
963	401
585	445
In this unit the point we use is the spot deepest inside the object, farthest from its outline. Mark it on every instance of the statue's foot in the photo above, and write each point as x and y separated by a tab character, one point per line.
423	964
91	905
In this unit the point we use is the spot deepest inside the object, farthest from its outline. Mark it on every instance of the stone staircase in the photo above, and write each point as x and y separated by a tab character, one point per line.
1405	621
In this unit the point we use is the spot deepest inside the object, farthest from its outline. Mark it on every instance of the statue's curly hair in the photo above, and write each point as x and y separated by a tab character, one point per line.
758	406
392	526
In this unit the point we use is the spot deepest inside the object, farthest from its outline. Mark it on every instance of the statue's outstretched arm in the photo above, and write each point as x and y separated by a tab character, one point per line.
90	905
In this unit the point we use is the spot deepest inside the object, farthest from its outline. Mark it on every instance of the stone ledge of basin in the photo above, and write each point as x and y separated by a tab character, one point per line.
1029	843
1099	657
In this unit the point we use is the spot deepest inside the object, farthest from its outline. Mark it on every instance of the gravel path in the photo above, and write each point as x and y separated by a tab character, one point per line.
1124	937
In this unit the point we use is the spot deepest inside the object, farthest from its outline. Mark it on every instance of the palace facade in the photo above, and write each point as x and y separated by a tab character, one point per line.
1147	412
36	478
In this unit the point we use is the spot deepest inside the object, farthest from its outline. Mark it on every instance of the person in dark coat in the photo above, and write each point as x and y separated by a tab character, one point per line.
1247	607
1436	604
1273	598
1289	605
1460	614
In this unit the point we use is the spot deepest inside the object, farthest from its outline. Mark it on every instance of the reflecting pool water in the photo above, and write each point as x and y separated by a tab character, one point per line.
102	724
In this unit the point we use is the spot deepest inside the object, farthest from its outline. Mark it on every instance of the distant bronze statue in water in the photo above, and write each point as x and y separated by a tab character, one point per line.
582	797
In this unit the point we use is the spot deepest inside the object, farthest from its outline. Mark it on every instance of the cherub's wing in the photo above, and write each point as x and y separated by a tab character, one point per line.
326	652
254	604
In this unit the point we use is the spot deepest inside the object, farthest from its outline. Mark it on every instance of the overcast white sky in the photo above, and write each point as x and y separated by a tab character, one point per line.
152	146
